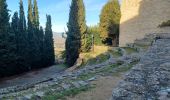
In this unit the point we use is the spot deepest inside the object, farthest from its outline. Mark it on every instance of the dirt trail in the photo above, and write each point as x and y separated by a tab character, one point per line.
103	90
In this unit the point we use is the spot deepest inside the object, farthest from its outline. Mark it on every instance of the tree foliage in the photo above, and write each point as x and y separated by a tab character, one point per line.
48	43
109	22
24	47
77	32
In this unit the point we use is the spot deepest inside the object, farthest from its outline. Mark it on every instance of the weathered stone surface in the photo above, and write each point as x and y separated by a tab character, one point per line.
150	79
141	17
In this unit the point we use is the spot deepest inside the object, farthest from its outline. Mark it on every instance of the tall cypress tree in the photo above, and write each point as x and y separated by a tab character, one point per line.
41	46
7	42
76	35
37	33
48	43
15	24
109	22
36	14
32	46
82	25
22	45
15	30
22	21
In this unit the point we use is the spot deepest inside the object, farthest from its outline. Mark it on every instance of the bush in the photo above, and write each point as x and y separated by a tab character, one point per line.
95	31
165	24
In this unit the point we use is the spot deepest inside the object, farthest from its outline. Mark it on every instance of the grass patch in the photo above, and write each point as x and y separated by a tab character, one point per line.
66	93
88	60
116	53
130	50
145	47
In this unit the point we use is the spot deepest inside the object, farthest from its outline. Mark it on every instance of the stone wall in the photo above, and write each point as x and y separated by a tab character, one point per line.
141	17
150	78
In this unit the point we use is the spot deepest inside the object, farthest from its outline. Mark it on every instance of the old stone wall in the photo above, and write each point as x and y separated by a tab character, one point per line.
141	17
150	78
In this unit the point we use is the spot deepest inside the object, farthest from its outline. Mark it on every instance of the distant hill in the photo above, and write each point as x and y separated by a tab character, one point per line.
59	42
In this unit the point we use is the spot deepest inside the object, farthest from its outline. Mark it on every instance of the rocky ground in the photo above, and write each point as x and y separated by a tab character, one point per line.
90	82
71	83
150	78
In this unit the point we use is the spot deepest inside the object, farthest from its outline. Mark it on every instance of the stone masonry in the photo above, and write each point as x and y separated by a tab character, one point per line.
150	79
141	17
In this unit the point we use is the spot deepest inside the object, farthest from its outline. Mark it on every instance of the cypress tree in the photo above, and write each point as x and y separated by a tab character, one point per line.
76	35
22	45
36	14
19	57
22	21
37	33
109	22
41	46
82	25
15	23
7	42
32	45
48	43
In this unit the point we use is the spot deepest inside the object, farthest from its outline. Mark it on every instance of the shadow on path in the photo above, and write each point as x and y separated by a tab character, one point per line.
33	76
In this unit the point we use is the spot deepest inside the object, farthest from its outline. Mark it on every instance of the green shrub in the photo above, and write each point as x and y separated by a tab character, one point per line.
165	24
94	30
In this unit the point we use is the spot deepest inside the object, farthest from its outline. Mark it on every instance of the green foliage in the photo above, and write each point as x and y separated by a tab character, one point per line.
94	30
109	22
36	14
76	35
7	42
63	94
130	50
116	53
48	43
165	24
99	59
22	47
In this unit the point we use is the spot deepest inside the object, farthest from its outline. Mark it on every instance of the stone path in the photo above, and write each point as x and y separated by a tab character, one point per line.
150	79
32	77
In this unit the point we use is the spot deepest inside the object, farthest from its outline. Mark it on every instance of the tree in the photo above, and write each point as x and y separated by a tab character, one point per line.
82	26
32	45
7	42
41	46
21	38
76	41
109	22
36	15
36	31
22	21
48	43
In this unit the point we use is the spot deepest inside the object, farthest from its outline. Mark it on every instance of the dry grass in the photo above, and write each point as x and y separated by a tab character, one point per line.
98	55
98	50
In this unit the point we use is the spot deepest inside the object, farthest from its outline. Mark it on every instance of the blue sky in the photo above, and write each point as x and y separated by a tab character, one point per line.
59	10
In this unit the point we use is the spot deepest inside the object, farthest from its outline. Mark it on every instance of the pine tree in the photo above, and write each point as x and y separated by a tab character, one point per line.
76	35
7	42
48	43
109	22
